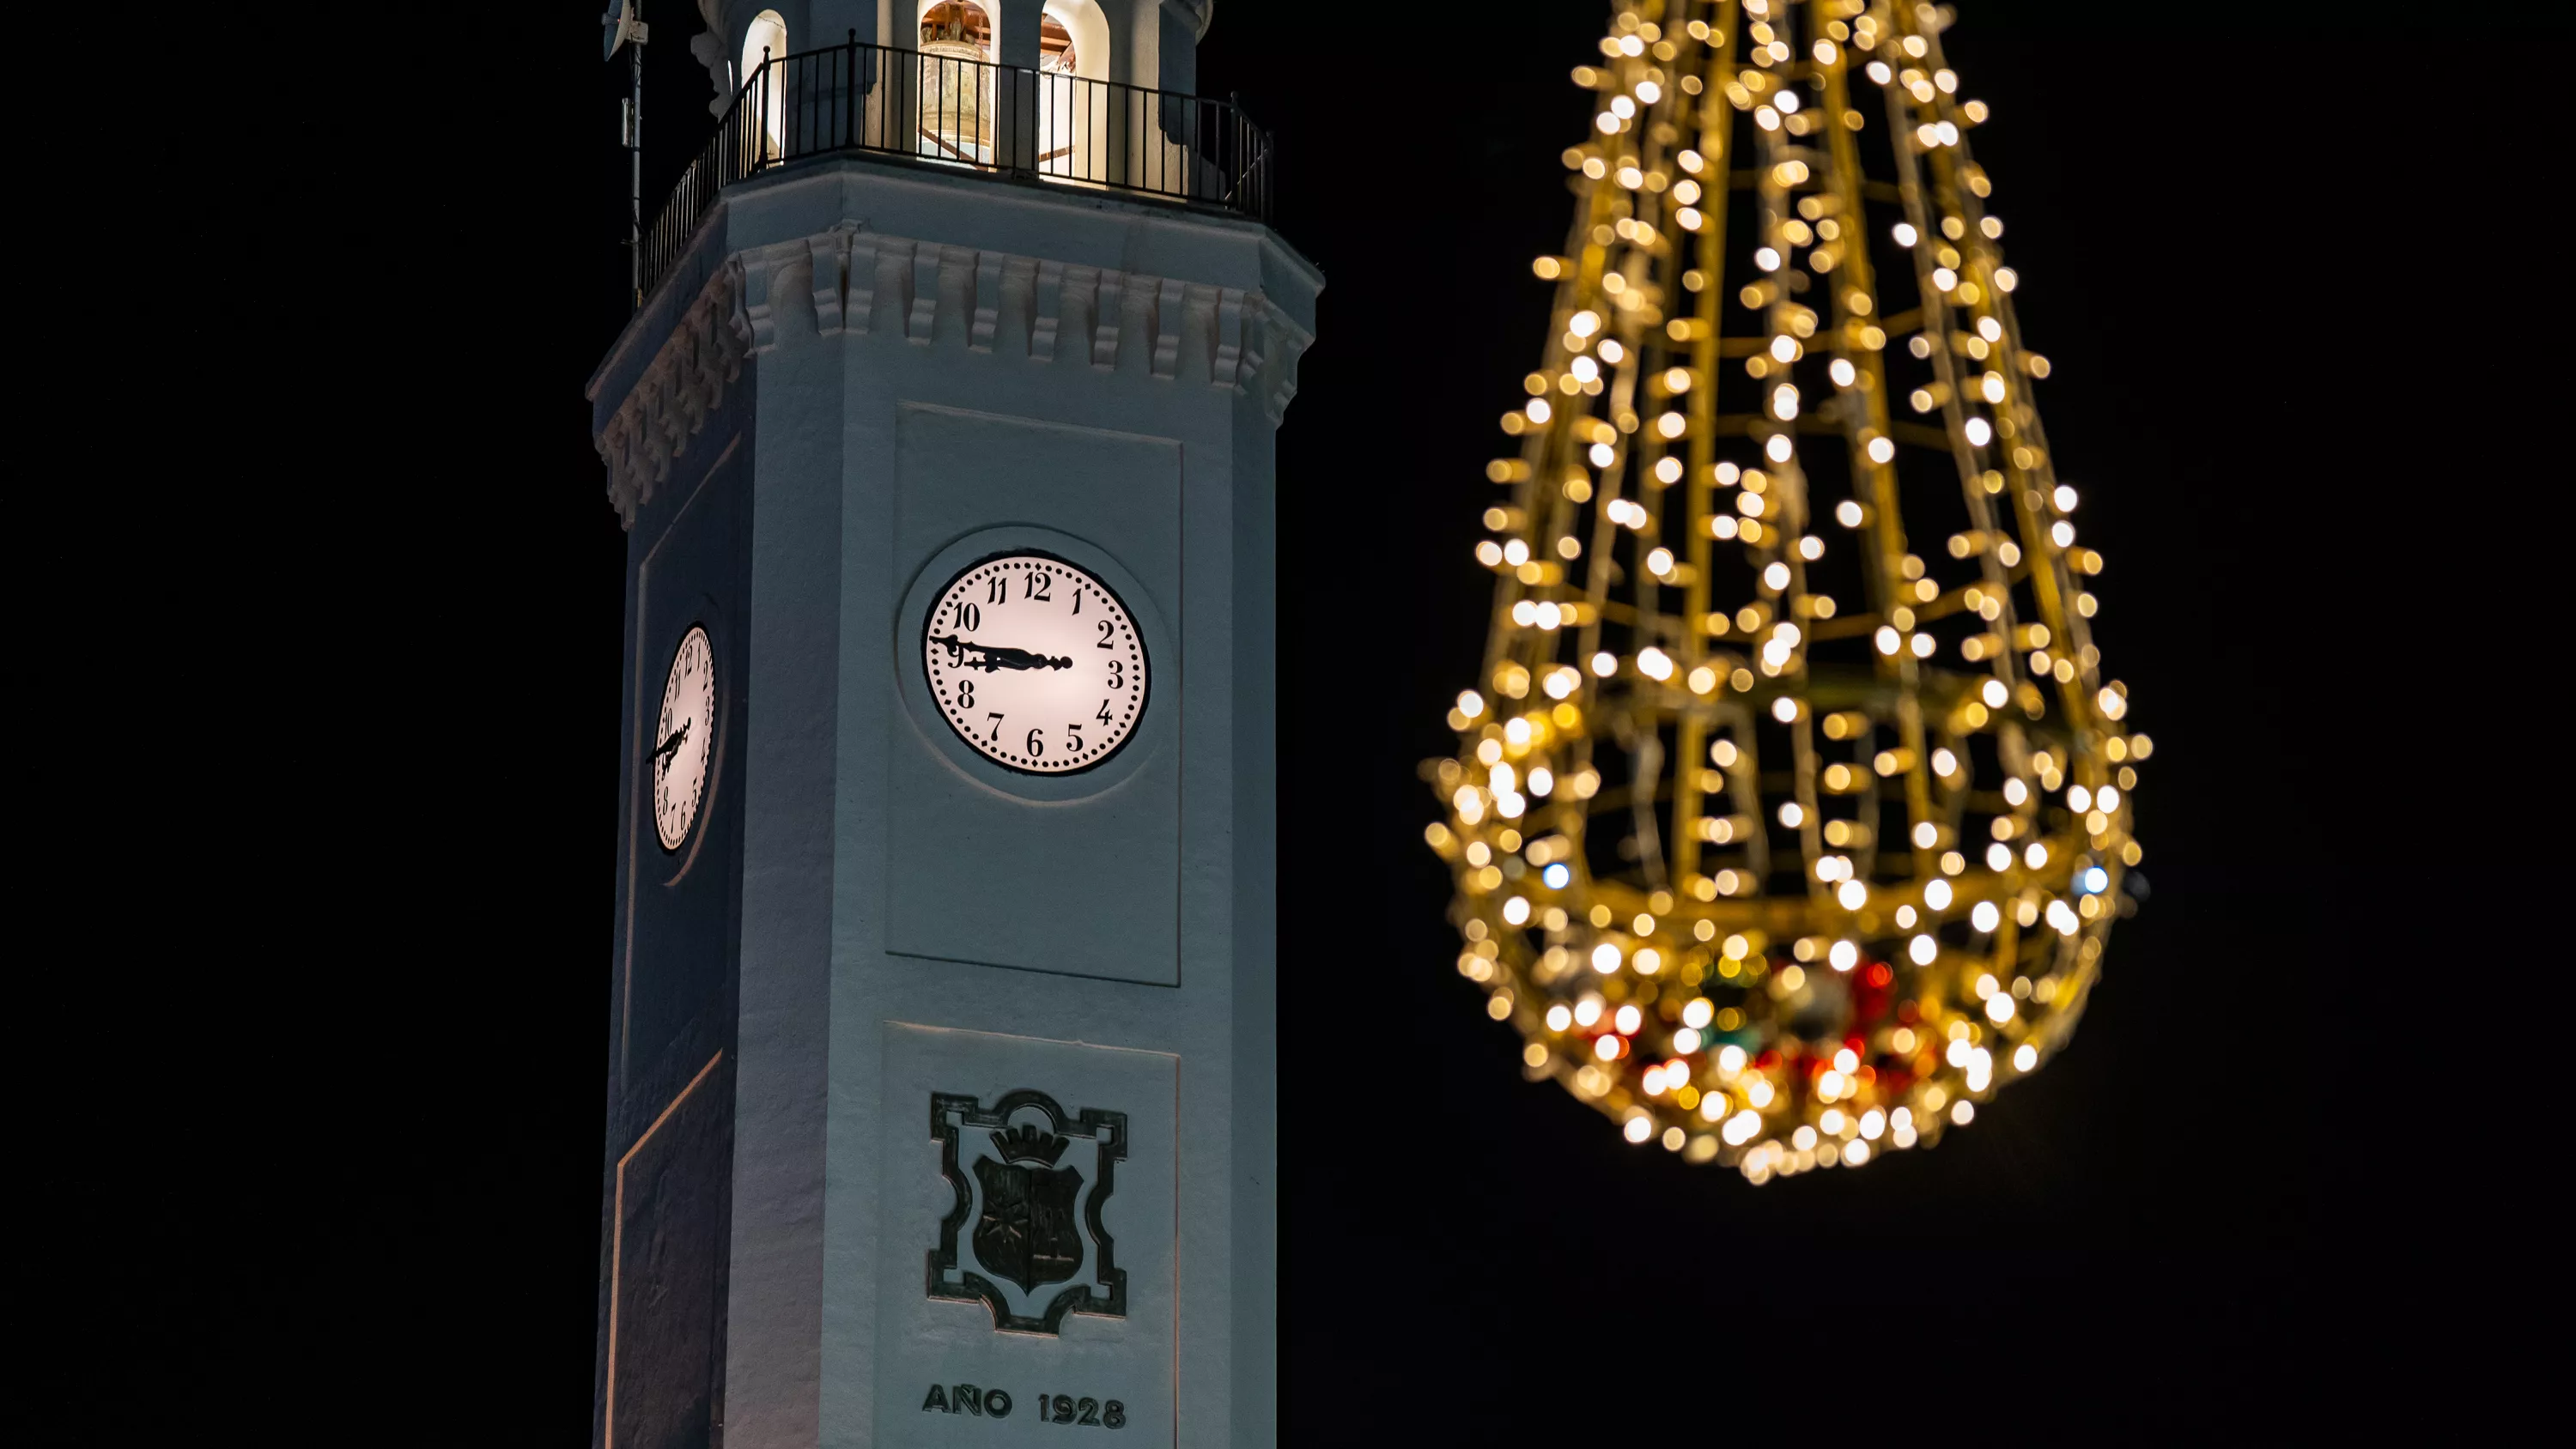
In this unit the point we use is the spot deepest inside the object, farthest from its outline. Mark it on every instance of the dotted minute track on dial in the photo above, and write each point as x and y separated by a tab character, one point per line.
1009	621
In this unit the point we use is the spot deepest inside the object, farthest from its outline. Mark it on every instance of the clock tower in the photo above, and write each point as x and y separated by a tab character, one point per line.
942	1088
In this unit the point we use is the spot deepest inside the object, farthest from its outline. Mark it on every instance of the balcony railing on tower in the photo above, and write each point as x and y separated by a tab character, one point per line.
952	110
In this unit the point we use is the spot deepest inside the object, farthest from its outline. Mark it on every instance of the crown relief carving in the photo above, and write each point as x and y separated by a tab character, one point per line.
848	281
1029	1143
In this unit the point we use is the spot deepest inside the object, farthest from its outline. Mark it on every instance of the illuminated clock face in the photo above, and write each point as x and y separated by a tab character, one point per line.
1035	663
684	740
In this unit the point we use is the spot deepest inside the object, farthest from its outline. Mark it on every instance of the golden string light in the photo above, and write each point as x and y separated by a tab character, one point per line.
1783	833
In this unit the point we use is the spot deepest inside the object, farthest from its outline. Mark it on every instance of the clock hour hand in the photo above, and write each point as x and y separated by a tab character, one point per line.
996	656
678	737
1003	656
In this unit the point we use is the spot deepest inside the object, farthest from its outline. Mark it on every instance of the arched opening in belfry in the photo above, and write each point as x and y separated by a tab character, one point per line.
1073	55
957	81
1055	47
764	61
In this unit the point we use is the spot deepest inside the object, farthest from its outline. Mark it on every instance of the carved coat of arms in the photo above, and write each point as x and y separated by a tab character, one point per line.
1030	1181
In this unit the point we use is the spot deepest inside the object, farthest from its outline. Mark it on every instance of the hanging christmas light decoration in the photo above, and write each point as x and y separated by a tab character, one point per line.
1791	814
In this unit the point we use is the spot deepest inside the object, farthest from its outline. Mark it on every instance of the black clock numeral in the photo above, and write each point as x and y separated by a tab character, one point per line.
998	591
1117	674
969	617
1104	635
1077	598
1103	716
965	694
1074	732
1035	586
996	736
1037	745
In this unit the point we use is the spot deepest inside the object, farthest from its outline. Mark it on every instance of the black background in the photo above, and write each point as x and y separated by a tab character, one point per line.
316	1102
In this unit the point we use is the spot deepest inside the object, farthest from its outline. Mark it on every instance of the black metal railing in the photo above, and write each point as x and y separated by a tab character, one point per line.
946	110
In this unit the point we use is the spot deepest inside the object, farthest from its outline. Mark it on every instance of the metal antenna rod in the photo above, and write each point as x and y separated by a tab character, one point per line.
635	178
625	29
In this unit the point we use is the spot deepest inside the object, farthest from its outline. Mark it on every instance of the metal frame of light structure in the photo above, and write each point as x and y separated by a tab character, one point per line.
1795	878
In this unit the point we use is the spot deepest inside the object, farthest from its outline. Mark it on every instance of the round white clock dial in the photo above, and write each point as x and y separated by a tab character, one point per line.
684	740
1035	663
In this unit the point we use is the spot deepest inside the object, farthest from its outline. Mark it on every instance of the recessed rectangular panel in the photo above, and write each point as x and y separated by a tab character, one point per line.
667	1272
1028	1267
1052	879
680	899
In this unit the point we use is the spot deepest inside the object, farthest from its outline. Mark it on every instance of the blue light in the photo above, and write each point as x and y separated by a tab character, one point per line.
1556	876
2095	880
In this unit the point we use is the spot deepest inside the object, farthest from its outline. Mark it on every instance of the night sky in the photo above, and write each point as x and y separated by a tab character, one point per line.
325	1106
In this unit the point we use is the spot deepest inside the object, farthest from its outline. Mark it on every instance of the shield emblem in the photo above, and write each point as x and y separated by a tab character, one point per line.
1023	1235
1028	1233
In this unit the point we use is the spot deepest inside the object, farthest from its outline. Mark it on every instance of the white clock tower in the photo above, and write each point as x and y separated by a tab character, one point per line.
942	1085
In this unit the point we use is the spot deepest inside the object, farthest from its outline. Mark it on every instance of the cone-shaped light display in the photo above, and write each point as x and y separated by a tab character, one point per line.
1791	812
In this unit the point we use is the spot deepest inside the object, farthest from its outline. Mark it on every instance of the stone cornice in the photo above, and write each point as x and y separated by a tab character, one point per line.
849	281
685	382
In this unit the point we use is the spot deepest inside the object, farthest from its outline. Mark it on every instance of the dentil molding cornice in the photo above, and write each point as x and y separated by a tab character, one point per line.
852	282
669	404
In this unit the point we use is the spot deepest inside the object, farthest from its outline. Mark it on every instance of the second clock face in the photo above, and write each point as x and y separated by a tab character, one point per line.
684	739
1035	663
